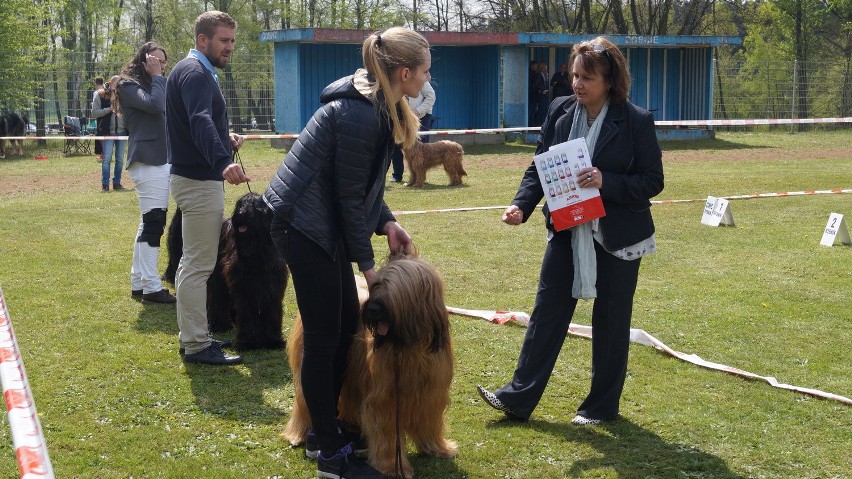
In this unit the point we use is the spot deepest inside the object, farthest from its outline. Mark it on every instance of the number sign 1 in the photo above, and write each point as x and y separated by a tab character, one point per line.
717	211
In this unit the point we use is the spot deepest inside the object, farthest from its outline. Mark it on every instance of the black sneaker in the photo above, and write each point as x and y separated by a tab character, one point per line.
359	443
345	465
118	187
160	297
136	294
224	343
214	355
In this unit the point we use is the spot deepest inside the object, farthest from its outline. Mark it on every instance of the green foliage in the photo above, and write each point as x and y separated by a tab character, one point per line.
114	399
22	52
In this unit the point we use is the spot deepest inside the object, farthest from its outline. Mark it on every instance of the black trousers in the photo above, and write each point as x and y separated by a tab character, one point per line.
396	158
328	302
551	316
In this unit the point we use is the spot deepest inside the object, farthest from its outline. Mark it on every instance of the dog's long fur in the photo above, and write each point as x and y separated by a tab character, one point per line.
13	125
397	384
246	289
423	156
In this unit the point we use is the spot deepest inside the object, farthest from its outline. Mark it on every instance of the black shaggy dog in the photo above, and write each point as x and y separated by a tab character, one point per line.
13	125
246	289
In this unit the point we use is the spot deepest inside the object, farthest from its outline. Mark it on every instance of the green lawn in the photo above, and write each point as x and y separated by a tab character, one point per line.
115	401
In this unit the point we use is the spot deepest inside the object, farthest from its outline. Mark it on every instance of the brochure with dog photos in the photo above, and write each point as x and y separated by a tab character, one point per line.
557	168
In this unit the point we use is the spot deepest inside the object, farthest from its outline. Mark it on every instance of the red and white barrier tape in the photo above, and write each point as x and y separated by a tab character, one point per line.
27	437
836	191
481	131
639	336
769	121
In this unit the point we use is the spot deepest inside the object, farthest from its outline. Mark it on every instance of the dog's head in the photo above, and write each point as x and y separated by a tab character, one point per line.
406	306
251	217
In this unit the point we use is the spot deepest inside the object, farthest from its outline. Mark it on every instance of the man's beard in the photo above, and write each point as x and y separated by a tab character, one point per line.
218	62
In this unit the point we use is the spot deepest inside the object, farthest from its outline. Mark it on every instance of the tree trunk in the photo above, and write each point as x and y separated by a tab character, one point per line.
618	18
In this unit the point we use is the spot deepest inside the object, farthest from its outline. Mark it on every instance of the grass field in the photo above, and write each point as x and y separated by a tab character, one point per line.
115	401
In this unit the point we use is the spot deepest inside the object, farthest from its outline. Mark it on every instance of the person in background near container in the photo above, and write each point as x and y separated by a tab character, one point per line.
560	83
99	88
598	259
542	84
110	124
328	198
422	106
140	99
201	157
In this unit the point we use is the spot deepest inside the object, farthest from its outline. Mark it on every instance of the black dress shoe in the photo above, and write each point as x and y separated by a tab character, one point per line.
160	297
225	343
214	355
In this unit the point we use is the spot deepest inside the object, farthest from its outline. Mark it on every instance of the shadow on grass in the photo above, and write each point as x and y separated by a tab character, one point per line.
500	149
630	451
157	318
714	144
237	395
430	466
433	187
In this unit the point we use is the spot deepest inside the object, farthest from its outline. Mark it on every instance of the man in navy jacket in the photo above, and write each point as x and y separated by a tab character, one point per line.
200	152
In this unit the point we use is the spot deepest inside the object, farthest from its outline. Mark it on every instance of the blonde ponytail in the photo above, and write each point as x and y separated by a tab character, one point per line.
384	52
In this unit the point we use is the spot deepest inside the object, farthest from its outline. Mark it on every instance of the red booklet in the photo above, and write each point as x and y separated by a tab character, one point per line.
569	204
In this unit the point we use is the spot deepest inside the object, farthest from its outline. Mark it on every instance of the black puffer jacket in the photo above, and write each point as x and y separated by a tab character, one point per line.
332	181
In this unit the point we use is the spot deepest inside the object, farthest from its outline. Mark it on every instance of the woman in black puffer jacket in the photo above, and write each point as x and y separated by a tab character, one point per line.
328	199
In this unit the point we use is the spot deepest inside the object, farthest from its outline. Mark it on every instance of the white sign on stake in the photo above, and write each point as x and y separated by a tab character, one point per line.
717	212
835	229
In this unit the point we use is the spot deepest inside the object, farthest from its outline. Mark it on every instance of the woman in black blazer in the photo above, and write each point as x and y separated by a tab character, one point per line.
627	169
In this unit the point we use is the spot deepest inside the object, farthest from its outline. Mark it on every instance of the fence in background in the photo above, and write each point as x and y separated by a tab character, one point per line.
783	90
768	90
67	89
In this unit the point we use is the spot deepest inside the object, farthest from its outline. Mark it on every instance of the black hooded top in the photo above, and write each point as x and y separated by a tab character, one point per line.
331	183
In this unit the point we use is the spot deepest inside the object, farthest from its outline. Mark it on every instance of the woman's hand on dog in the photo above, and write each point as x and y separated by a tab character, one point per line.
370	275
398	239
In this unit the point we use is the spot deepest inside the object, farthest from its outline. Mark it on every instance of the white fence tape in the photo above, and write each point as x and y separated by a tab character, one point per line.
481	131
639	336
27	437
836	191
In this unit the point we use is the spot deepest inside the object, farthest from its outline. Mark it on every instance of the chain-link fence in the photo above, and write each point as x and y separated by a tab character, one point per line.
783	90
67	87
744	90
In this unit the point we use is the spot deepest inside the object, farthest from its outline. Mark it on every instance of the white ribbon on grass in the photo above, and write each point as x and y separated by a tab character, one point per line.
641	337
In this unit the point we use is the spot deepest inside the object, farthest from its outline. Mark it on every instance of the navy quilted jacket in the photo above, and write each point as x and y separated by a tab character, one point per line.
332	181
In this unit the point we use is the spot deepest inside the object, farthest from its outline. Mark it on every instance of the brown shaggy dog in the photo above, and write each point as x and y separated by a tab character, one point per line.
423	156
397	383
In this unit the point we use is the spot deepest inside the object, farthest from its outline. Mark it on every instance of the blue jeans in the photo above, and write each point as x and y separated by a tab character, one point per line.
119	146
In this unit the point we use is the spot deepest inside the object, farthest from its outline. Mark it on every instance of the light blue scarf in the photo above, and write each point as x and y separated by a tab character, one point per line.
582	242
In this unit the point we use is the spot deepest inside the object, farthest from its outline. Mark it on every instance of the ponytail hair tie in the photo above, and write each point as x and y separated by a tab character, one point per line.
378	40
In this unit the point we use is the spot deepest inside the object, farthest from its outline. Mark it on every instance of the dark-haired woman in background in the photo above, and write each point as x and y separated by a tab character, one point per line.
141	100
598	259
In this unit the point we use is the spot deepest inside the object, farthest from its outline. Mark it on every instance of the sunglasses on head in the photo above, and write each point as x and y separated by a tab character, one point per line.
600	49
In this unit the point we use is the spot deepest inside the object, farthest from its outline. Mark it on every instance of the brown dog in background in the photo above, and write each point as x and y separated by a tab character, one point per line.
423	156
401	362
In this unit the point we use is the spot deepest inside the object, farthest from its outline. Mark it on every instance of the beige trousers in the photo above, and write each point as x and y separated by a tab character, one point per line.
203	205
